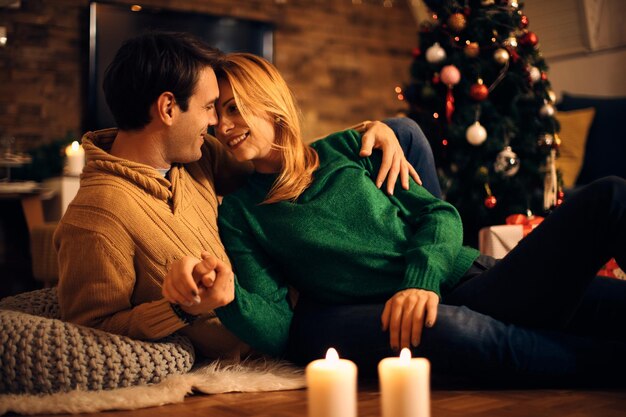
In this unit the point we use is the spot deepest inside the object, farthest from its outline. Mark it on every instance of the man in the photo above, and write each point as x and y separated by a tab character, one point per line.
148	199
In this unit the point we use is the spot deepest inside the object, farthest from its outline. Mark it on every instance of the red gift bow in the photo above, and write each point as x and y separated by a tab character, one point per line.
528	222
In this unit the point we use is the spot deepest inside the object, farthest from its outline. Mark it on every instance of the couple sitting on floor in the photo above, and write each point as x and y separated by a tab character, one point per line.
376	266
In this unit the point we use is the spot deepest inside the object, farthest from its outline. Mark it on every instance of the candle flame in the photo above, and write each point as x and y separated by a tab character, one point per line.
405	355
332	355
75	145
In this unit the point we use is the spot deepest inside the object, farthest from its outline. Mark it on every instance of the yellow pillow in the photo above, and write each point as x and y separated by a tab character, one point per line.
575	125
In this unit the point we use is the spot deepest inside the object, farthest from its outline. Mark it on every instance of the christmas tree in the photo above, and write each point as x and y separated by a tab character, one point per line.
479	90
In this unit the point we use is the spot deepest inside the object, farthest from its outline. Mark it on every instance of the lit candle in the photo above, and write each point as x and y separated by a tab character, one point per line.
331	386
405	386
75	159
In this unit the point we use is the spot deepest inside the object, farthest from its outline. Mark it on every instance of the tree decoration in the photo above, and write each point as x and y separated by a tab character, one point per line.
476	134
450	76
510	42
490	201
529	39
501	56
523	22
546	140
535	74
457	22
479	91
435	54
416	52
547	110
502	131
507	162
472	49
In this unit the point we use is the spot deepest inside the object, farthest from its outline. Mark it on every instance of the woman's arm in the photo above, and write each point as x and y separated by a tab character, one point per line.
260	314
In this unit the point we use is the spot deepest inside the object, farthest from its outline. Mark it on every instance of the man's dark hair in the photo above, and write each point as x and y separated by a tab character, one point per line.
146	66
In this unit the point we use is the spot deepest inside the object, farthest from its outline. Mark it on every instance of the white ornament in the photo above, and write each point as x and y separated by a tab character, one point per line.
501	56
507	163
547	110
476	134
435	53
535	74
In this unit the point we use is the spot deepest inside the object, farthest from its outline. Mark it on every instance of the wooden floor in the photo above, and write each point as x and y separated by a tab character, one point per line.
444	403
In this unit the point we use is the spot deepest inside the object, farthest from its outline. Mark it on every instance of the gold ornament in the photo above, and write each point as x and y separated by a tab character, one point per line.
457	22
501	56
551	96
472	49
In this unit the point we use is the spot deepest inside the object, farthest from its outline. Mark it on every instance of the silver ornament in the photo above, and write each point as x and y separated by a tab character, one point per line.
507	163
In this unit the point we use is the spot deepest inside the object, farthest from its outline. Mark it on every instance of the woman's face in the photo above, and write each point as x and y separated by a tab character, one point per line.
245	142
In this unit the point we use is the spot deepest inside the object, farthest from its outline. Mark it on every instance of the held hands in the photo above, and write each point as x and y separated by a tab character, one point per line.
199	286
405	315
380	136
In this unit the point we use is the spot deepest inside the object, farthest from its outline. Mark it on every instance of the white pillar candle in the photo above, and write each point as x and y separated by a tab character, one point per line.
405	386
74	159
331	386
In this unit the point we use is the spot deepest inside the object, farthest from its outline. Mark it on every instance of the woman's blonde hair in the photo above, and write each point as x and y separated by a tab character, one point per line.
259	90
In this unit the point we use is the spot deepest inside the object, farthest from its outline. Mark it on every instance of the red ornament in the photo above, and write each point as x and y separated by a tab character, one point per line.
523	23
490	202
467	11
436	78
529	39
544	76
479	91
560	194
416	52
449	105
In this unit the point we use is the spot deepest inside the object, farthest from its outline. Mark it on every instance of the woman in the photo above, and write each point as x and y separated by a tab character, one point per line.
312	217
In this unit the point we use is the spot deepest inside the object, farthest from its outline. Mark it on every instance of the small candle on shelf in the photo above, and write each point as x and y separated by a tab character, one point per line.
405	386
74	159
331	386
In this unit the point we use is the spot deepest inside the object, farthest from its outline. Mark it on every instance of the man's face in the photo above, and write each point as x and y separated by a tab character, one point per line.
186	138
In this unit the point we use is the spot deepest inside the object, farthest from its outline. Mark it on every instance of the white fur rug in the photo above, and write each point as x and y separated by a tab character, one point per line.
212	378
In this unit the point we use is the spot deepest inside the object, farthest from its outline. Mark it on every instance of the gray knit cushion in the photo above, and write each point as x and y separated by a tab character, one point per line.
41	354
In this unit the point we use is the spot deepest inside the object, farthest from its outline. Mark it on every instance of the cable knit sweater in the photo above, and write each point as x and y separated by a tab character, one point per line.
125	226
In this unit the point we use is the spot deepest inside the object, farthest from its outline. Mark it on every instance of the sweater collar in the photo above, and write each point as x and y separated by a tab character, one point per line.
97	146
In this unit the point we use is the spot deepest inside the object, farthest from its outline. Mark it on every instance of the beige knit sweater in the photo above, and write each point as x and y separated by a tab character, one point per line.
125	226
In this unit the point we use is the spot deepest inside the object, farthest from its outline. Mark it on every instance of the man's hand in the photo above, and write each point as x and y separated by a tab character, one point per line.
405	315
199	286
380	136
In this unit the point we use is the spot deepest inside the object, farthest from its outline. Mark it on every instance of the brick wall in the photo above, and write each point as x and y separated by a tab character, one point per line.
342	60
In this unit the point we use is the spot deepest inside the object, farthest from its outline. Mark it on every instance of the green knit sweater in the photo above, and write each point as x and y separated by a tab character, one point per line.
343	242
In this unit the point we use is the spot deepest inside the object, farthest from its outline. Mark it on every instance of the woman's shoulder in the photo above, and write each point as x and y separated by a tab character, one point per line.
345	141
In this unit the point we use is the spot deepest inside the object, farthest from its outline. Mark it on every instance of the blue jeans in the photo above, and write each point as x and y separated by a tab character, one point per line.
539	316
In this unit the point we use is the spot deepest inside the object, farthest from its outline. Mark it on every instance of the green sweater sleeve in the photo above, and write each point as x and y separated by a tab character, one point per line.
260	314
436	229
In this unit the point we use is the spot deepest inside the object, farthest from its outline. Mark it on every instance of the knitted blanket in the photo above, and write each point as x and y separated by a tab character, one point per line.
41	354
